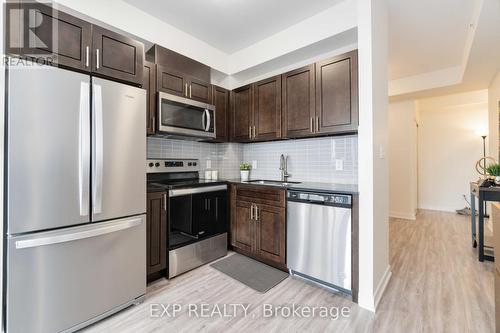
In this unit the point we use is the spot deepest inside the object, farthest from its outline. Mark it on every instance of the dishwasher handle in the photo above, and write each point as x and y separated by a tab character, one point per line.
325	199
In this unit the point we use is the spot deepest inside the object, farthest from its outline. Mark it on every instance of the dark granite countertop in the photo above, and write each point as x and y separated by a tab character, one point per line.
312	186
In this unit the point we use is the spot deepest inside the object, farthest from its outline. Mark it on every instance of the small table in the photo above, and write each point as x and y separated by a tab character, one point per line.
484	194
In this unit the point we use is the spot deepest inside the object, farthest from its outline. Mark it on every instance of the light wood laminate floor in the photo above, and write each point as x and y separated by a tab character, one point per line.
437	285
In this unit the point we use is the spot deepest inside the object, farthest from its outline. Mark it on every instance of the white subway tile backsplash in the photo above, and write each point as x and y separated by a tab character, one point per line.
308	159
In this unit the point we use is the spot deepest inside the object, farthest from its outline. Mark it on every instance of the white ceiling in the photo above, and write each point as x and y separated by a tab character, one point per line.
427	35
232	25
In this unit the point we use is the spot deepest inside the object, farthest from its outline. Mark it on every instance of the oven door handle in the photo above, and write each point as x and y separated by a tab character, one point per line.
203	189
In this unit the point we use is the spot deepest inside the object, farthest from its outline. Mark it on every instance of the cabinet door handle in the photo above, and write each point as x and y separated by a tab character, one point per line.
317	124
185	89
312	125
209	203
249	132
257	213
254	132
87	56
251	212
97	58
189	91
217	208
165	201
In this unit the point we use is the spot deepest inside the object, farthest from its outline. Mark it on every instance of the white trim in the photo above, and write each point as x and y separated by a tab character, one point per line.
439	209
379	292
404	216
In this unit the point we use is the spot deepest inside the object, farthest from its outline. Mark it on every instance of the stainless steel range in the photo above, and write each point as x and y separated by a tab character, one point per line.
197	213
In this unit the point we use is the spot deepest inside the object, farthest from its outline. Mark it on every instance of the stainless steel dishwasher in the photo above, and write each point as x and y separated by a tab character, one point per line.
319	238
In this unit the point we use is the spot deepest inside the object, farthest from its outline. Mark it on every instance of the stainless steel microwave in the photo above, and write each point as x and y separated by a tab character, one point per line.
185	117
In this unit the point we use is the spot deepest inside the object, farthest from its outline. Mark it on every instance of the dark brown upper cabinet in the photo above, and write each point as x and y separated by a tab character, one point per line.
117	56
199	90
149	83
73	43
299	112
220	98
242	114
156	232
267	109
181	76
337	94
61	38
171	82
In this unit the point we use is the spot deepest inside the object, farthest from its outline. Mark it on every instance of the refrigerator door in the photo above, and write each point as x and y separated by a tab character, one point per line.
65	279
119	150
48	148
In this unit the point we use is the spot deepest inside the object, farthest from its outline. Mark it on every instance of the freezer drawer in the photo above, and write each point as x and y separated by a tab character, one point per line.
319	243
60	279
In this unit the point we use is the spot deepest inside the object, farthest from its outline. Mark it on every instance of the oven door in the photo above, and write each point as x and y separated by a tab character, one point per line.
183	116
198	212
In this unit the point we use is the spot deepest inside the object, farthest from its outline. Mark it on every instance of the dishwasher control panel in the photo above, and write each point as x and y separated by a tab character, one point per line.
320	198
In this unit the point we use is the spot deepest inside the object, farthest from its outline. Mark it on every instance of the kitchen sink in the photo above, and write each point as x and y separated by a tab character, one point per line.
271	182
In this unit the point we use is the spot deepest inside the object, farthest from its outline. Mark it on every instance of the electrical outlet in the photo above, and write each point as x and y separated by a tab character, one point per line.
254	164
209	164
339	165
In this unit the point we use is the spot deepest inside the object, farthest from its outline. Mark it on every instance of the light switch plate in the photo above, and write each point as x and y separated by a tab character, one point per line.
339	165
254	164
209	164
381	152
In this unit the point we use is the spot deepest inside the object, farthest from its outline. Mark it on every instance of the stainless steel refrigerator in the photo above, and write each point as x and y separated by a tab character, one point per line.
76	198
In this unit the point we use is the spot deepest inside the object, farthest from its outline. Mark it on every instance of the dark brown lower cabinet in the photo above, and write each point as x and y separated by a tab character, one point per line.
258	224
242	227
156	232
270	232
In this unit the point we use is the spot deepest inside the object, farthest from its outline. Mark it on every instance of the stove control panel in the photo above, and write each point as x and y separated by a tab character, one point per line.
172	165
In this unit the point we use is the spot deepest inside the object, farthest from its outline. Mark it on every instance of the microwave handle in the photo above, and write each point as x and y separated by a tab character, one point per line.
203	120
207	127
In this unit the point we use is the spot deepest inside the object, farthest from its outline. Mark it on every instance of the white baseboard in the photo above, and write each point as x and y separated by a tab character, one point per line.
440	209
404	216
379	292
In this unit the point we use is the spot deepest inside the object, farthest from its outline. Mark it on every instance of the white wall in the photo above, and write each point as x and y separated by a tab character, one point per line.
448	147
402	160
374	269
2	117
493	115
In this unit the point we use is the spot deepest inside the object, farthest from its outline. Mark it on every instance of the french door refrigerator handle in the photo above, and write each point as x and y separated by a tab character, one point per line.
98	151
72	236
84	149
87	56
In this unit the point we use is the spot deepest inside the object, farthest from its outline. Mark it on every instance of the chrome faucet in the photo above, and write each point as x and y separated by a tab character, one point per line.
283	168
